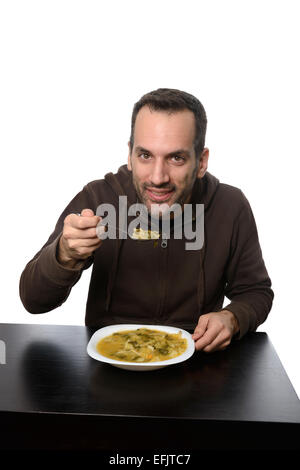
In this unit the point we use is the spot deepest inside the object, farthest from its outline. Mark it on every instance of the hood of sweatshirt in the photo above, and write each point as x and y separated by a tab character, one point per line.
121	183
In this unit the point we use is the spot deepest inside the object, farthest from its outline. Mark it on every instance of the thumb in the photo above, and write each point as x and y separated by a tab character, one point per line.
201	327
87	213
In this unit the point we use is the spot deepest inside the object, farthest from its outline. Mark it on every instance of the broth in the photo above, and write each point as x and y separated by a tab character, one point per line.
142	345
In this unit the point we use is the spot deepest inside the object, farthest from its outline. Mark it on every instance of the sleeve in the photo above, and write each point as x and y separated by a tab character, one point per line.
45	284
248	285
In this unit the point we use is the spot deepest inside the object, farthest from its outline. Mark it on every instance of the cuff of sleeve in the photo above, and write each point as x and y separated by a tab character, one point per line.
53	270
245	316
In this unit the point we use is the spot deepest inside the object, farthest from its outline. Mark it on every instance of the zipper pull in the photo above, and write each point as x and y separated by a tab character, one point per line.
164	241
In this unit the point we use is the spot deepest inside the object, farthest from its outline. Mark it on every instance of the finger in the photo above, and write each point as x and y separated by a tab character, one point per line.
83	242
74	233
85	251
81	222
84	222
201	327
208	337
101	230
219	343
87	213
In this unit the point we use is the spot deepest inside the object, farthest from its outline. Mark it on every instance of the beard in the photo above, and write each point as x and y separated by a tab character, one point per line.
164	209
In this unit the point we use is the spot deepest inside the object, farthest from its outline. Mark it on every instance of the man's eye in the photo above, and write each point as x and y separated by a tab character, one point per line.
178	158
144	156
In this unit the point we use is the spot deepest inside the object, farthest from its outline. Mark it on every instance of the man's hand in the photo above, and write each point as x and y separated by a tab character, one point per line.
79	239
215	331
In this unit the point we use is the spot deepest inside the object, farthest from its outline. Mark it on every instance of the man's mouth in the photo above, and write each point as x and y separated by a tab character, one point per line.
159	195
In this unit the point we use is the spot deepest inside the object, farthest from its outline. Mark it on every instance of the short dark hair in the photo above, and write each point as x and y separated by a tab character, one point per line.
172	100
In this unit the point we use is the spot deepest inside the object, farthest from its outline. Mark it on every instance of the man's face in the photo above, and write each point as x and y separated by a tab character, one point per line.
163	160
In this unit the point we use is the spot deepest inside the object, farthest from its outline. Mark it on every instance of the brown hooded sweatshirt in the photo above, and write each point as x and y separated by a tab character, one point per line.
150	282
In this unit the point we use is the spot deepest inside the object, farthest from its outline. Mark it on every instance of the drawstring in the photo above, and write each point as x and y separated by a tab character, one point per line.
201	283
113	272
201	294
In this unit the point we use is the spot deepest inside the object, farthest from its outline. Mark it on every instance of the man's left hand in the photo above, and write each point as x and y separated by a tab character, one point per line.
215	331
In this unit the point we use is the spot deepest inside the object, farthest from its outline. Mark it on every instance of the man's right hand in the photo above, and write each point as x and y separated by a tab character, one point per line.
79	239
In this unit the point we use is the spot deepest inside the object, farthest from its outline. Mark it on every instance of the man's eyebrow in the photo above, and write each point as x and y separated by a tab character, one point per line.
138	148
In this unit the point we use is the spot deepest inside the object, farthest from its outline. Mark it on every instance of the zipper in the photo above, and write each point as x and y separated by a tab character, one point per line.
163	274
164	241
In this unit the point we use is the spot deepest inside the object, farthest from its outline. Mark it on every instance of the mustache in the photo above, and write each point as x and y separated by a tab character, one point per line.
159	186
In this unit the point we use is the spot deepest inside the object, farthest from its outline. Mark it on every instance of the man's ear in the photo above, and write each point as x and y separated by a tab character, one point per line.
203	163
129	159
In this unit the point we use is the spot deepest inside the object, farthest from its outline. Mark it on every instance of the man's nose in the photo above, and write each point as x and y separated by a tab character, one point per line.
159	173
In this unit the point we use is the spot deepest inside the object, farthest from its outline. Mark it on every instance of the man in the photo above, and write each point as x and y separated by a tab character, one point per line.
159	281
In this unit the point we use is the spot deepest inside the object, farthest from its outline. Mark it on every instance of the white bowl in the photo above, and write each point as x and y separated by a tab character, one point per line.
108	330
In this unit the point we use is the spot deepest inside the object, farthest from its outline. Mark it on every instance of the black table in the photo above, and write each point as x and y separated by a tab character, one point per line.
54	396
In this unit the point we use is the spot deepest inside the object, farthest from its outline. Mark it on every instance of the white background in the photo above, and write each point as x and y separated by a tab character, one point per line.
70	74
